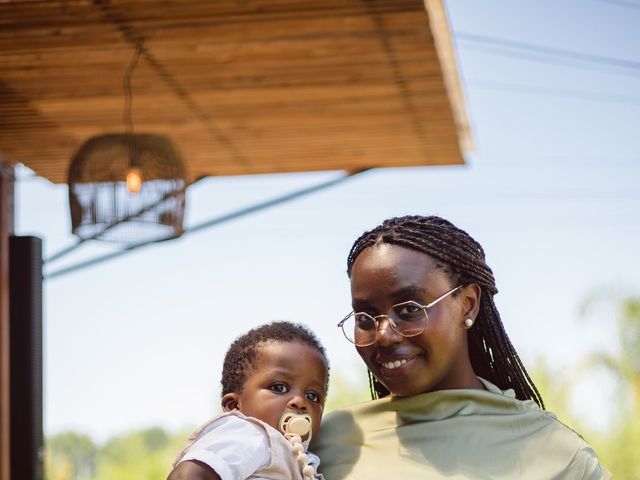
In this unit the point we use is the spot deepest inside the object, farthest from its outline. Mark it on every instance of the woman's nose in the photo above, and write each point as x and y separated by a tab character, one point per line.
385	334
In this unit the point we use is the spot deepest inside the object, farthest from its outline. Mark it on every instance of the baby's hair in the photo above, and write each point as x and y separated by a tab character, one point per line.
492	354
242	353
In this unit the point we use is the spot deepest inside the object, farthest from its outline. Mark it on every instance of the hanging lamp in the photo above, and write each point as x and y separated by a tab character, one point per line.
127	187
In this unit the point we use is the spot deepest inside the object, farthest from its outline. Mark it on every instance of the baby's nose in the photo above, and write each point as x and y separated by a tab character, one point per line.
298	403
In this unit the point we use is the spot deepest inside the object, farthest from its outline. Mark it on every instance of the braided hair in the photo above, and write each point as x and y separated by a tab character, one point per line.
492	354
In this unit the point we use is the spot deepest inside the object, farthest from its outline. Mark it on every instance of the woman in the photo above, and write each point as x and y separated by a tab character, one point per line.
451	397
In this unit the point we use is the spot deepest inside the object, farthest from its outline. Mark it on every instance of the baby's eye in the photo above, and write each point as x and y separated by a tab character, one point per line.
279	388
313	396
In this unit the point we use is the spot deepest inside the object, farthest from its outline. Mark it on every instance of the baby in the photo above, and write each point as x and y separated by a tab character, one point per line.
274	385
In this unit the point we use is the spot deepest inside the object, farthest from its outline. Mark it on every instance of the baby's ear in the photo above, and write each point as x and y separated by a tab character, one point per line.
230	402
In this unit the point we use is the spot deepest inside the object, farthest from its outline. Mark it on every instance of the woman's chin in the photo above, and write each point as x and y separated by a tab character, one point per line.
400	386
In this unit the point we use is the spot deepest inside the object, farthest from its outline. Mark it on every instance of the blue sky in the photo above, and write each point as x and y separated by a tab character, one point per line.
551	191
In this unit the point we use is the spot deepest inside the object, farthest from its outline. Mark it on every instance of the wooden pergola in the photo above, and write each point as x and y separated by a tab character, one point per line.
240	86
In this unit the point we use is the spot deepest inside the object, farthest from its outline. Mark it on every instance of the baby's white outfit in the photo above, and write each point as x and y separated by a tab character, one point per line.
239	447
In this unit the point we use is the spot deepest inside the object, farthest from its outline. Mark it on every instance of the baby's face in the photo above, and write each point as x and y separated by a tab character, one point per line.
287	377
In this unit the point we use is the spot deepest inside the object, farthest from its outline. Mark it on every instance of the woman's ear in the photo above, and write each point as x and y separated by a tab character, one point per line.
471	295
230	402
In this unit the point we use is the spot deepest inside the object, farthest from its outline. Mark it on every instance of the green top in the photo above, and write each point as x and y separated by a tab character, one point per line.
453	434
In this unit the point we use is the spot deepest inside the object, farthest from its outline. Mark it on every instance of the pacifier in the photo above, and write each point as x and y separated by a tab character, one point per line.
295	427
298	423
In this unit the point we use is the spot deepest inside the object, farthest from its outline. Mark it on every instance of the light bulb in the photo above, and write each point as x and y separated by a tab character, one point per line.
134	180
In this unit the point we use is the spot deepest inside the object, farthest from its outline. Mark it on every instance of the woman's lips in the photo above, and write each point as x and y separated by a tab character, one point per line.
394	364
392	368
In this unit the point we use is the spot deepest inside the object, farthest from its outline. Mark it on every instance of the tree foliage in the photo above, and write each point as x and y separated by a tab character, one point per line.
69	456
618	448
141	455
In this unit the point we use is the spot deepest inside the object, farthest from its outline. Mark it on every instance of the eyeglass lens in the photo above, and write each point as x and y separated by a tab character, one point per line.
408	319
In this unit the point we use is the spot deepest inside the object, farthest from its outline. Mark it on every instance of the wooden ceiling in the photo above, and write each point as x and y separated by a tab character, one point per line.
241	87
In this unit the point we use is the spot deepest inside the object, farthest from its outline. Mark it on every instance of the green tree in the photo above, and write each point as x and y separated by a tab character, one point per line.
555	387
618	449
142	455
70	456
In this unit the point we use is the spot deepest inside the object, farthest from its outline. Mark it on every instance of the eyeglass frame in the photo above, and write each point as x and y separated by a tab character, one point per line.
390	320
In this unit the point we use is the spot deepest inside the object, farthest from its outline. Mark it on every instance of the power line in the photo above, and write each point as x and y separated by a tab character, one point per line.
555	92
529	47
131	216
621	3
210	223
538	57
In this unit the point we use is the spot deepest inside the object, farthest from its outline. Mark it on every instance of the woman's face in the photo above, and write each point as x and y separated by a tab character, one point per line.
437	359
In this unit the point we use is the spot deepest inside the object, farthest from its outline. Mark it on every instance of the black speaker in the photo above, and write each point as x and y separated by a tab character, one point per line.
25	317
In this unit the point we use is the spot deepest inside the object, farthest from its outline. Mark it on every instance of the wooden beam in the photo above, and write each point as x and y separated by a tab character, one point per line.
6	227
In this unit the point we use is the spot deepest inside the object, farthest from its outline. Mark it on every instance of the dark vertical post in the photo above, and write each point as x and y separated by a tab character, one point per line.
6	227
25	314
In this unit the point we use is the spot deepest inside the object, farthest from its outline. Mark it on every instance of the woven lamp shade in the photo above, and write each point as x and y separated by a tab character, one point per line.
127	188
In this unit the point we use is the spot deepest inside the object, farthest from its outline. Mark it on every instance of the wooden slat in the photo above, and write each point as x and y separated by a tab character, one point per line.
240	87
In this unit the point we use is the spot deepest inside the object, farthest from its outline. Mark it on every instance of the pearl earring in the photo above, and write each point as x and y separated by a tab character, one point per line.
468	322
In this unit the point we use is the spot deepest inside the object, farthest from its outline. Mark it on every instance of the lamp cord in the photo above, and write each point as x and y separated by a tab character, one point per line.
128	101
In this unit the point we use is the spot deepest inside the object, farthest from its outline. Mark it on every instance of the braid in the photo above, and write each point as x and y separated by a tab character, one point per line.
491	352
377	389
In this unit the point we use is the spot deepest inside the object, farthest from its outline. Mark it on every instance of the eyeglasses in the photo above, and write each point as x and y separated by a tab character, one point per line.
407	318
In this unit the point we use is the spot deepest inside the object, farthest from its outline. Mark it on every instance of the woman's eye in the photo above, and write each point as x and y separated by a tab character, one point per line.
409	311
313	396
279	388
364	322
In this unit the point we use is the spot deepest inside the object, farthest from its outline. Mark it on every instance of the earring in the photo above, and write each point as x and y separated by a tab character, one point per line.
468	322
